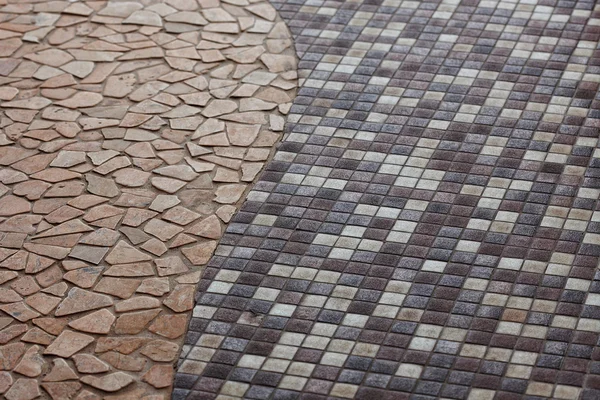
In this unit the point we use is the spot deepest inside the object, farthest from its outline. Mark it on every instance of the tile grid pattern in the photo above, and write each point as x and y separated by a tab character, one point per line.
429	227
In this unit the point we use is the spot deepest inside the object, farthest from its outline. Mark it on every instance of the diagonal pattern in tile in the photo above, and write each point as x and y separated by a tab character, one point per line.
429	228
129	132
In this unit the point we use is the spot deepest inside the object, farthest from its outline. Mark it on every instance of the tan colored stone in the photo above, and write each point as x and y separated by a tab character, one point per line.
60	372
19	311
137	303
263	10
101	237
88	364
219	107
123	362
170	266
130	270
181	240
159	376
42	303
37	336
10	355
31	364
120	85
79	300
97	322
229	194
56	252
131	177
108	383
11	205
169	326
81	99
160	351
124	253
9	296
167	184
26	285
101	186
201	253
62	390
93	254
6	381
157	286
51	325
13	331
155	247
278	62
141	17
87	395
209	228
8	93
135	322
181	298
241	134
23	389
119	287
66	159
68	343
120	9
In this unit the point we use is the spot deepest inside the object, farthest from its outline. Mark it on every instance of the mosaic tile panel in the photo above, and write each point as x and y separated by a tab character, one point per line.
429	227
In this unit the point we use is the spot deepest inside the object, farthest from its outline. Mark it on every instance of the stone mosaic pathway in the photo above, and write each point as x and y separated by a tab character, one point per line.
429	227
130	130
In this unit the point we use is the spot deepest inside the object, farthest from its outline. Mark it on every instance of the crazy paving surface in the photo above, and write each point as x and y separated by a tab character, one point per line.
429	227
129	132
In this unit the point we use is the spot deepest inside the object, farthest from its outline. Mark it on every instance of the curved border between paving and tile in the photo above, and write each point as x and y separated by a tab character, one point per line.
427	228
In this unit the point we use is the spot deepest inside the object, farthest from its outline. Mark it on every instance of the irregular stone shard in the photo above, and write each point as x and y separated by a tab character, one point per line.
79	300
135	322
10	355
209	228
11	205
159	376
68	343
169	326
160	350
124	253
34	103
101	186
23	389
109	383
144	18
155	286
120	9
124	362
96	322
6	381
60	372
229	194
81	100
201	253
181	298
88	364
170	266
137	303
31	364
62	390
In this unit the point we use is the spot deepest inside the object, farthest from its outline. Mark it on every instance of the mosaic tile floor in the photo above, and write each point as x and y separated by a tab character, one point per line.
429	227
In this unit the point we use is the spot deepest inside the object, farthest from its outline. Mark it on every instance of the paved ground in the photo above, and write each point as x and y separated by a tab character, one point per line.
429	226
130	130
